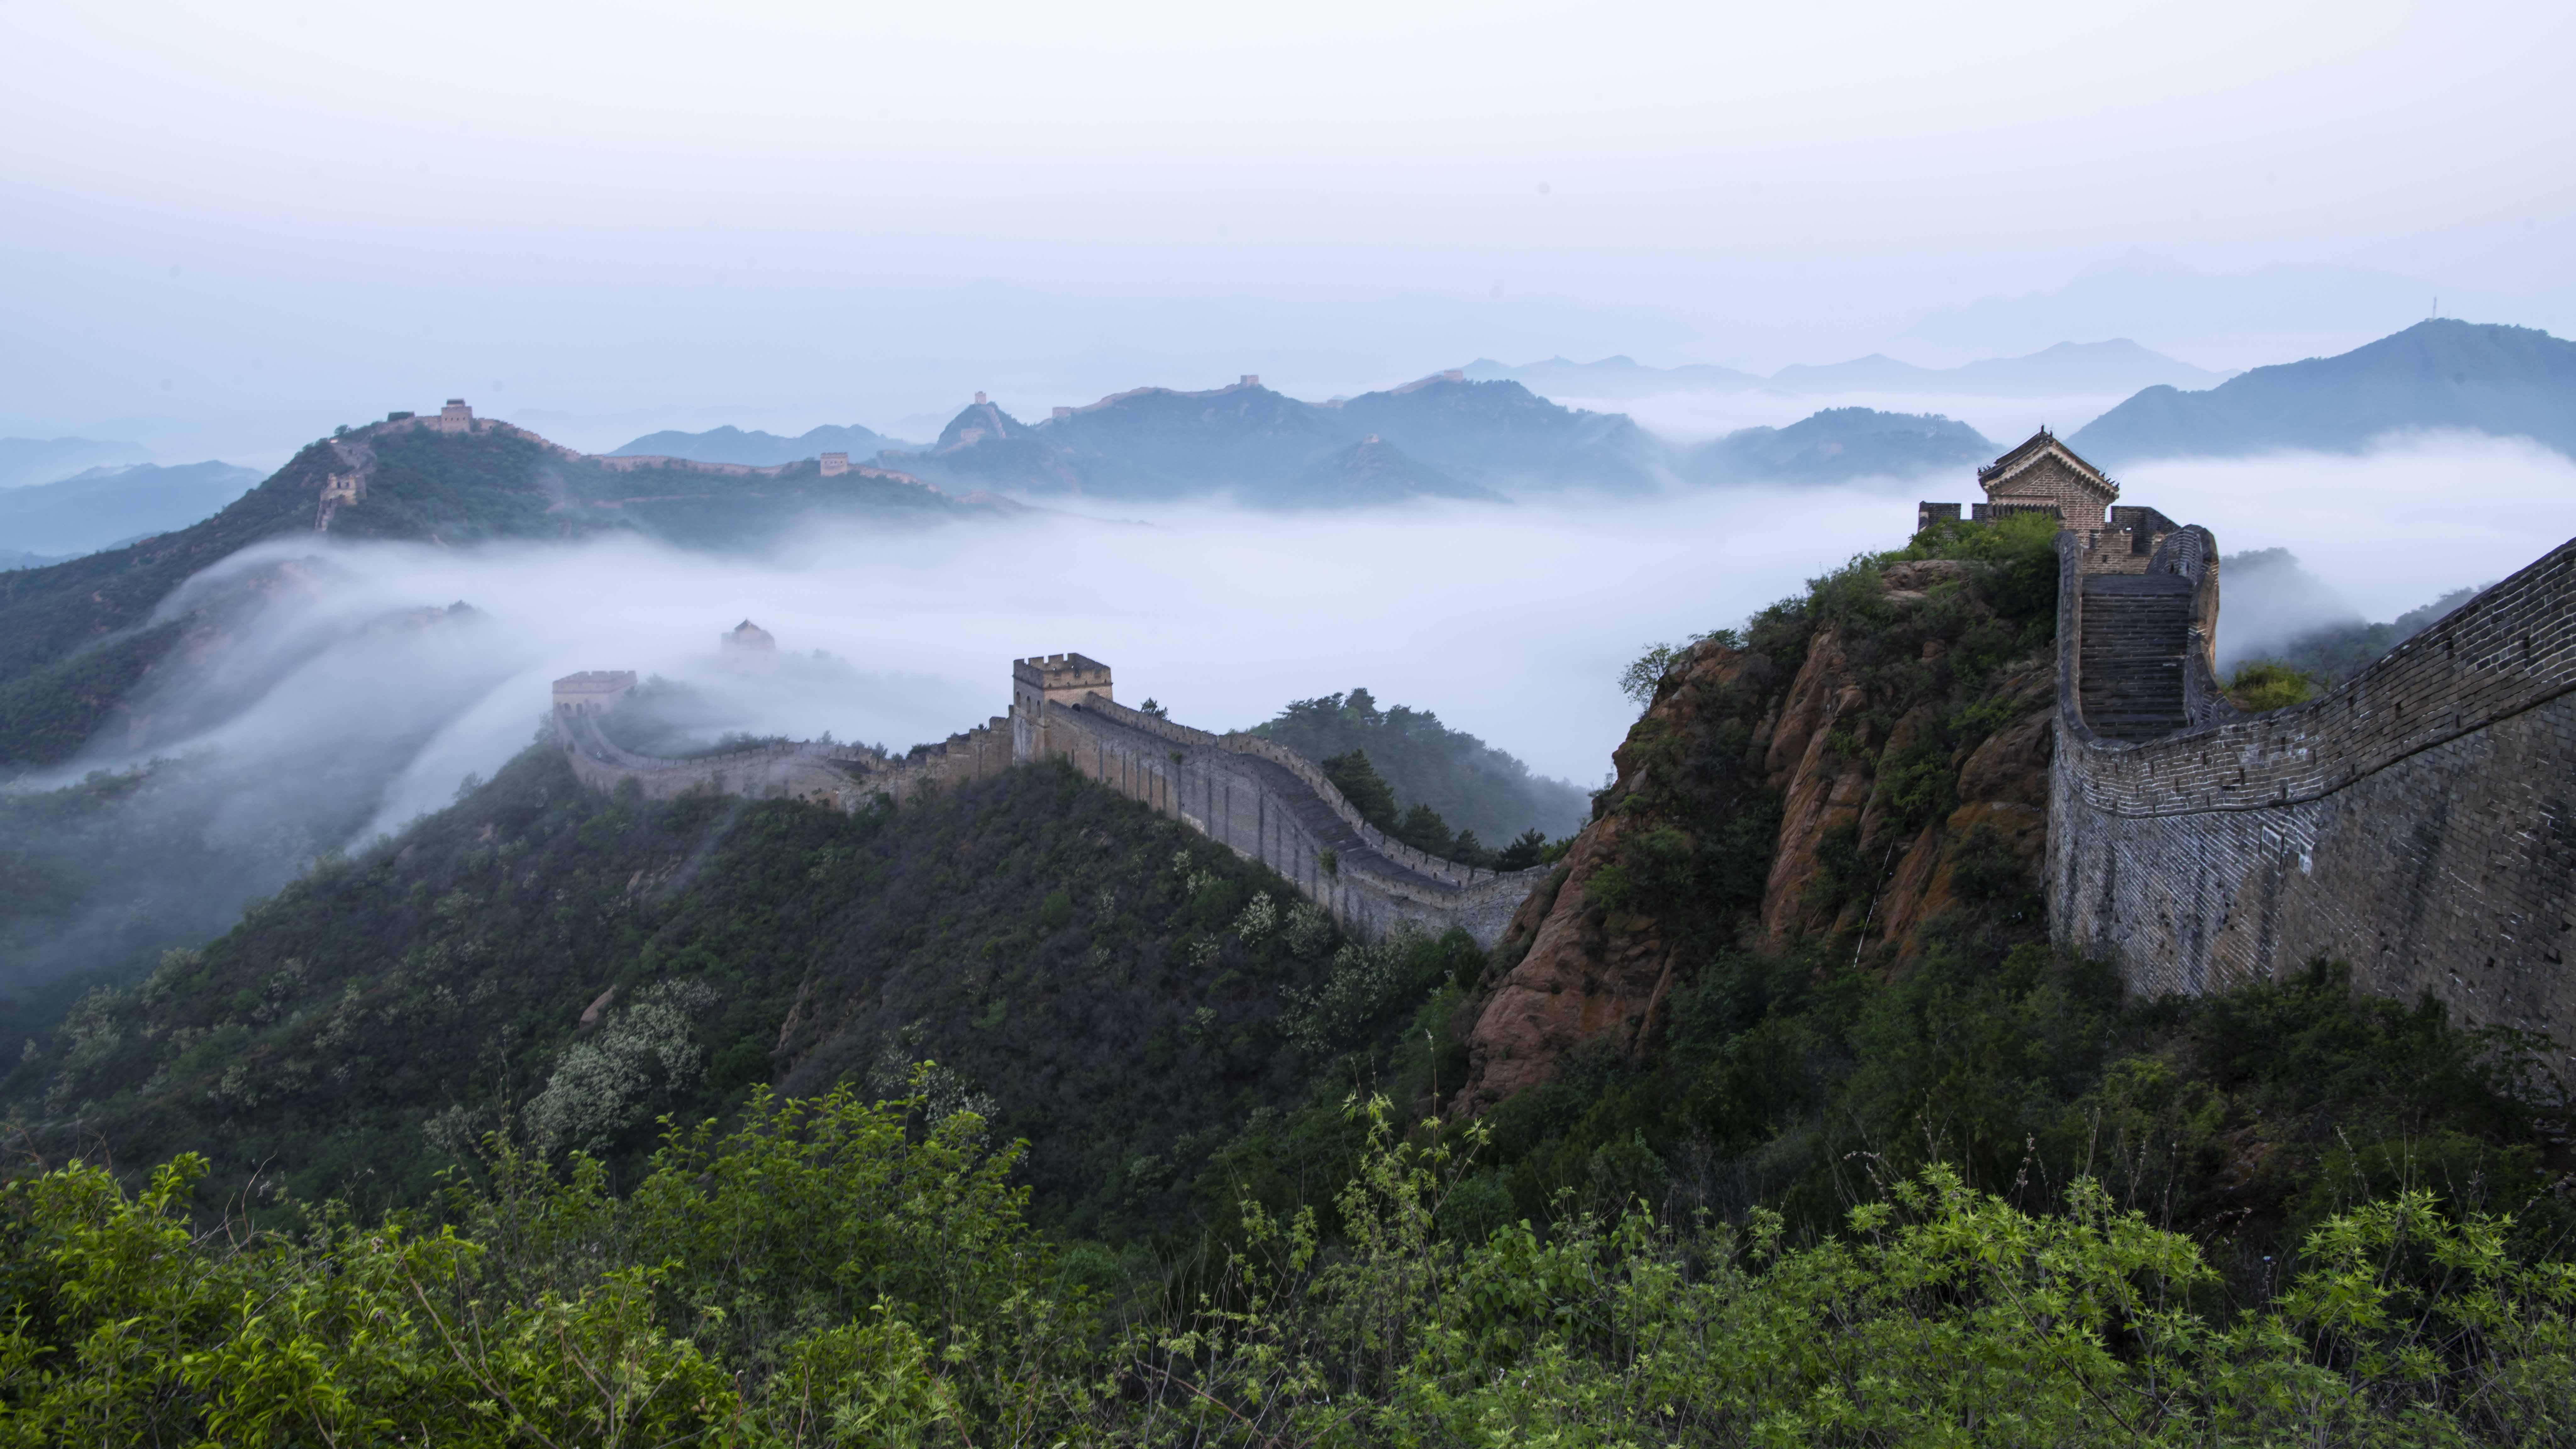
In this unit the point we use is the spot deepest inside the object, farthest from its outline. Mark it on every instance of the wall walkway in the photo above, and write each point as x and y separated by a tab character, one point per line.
840	776
1266	802
1257	798
2418	821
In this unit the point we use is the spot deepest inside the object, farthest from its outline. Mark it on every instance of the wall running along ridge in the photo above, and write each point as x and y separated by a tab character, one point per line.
842	777
2418	821
1258	798
1266	802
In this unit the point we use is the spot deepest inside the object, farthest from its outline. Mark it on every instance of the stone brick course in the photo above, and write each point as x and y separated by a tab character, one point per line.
1254	796
2415	821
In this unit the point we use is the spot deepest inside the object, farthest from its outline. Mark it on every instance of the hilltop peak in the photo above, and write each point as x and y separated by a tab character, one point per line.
2441	373
977	421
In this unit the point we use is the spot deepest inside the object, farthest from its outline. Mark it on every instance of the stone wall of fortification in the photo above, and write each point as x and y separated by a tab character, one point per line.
2419	821
839	776
1258	798
1266	802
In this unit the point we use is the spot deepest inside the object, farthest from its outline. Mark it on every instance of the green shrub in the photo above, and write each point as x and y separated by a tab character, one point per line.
2259	685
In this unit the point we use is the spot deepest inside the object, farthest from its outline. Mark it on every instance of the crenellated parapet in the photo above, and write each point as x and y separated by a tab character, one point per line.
1268	803
2417	821
1255	796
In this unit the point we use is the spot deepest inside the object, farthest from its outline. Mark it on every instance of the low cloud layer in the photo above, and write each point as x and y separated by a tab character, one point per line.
351	696
2394	528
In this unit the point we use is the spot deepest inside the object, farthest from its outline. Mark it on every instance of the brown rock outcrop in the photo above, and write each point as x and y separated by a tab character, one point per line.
1573	971
1586	960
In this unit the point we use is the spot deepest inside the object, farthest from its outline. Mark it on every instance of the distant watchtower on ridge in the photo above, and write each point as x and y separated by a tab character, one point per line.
1050	679
456	417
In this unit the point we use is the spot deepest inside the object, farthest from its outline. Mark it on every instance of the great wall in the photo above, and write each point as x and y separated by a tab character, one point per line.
1257	798
2417	821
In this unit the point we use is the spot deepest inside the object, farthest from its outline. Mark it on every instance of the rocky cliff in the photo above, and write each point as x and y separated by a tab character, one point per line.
1860	777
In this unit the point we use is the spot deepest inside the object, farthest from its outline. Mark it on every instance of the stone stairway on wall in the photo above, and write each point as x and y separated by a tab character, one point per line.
2137	629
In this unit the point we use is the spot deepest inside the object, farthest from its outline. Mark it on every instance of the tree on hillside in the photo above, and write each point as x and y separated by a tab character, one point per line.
1471	784
1360	783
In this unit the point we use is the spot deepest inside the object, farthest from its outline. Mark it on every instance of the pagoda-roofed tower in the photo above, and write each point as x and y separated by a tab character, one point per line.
2044	473
748	646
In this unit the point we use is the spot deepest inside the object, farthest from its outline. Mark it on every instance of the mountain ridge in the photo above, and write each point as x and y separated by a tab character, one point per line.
2440	373
2114	365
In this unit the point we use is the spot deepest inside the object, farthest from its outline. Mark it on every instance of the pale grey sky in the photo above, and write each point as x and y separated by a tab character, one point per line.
607	217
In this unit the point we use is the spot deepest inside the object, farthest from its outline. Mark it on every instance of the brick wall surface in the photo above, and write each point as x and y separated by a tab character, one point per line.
2419	821
1257	798
1266	802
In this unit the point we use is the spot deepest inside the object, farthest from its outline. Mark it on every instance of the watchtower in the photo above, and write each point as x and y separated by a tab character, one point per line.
835	464
456	417
592	690
747	646
2043	475
1038	681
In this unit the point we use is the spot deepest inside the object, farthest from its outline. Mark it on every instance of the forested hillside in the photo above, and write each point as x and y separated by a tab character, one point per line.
577	964
76	637
1772	1118
1468	784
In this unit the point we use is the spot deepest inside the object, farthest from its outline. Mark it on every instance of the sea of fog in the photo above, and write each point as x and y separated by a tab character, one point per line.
1510	621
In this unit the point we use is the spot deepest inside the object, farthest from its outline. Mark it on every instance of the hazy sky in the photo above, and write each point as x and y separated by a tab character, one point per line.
602	217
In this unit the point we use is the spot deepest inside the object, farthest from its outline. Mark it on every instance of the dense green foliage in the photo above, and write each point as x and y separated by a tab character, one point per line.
1099	979
844	1274
1421	826
2336	654
2258	685
1468	784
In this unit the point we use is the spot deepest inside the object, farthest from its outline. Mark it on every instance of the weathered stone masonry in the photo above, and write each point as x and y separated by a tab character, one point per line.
2418	822
840	776
1266	802
1259	799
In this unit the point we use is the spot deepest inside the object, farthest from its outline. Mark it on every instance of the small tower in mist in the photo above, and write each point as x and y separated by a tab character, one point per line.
747	647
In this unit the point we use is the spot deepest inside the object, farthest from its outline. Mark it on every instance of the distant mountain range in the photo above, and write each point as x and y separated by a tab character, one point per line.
1839	444
108	506
1489	430
759	449
2441	373
2116	366
1442	436
45	460
77	636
